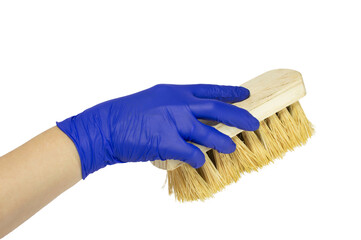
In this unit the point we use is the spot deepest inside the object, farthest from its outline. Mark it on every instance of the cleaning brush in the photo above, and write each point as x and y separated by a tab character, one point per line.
283	126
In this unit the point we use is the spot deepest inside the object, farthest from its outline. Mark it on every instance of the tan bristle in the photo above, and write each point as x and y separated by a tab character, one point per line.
276	135
245	158
304	126
290	127
254	144
210	174
187	185
227	167
171	183
273	147
278	132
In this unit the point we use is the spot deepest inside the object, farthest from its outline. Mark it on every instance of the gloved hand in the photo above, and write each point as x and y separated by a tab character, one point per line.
155	124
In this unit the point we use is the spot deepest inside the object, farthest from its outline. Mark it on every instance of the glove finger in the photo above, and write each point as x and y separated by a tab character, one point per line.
219	92
187	153
210	137
225	113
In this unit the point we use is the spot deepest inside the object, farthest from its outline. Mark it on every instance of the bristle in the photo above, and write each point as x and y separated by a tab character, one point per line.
276	135
255	145
278	132
304	126
272	146
245	158
227	167
290	127
210	174
187	185
171	183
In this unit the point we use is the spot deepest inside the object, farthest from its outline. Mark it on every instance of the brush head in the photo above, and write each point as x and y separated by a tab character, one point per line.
270	93
277	134
283	126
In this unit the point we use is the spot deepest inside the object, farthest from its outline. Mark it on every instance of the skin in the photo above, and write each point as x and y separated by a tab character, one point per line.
34	174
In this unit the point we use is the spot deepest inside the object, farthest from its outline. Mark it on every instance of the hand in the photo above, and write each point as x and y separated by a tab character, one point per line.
155	124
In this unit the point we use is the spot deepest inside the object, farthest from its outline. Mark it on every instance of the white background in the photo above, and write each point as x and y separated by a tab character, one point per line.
58	58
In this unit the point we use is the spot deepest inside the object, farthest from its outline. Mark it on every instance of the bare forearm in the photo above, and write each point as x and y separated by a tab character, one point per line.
34	174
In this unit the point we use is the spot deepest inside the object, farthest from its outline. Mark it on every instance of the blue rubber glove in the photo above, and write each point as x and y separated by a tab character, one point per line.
155	124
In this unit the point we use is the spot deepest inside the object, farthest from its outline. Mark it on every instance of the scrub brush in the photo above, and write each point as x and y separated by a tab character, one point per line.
283	126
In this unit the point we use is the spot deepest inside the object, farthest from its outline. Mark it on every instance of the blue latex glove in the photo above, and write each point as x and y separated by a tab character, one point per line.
155	124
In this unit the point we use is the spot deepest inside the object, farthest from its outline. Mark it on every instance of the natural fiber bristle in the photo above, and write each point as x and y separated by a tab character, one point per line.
255	145
304	126
290	128
227	167
187	185
278	132
212	177
245	158
276	135
272	146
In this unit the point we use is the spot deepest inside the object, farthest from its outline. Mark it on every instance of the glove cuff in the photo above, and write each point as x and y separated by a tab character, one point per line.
88	142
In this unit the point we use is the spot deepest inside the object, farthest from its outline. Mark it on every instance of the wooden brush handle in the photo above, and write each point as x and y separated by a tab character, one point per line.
270	92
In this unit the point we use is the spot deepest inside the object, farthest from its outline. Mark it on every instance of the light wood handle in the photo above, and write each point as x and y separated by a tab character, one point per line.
270	92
